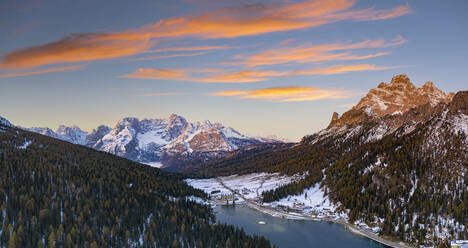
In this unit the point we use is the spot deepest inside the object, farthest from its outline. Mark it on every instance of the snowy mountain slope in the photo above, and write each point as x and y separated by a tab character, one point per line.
159	140
5	122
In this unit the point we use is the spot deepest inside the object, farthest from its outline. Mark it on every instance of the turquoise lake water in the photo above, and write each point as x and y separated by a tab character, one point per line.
292	233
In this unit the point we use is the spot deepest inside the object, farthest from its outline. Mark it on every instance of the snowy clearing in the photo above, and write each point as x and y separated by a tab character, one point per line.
250	186
154	164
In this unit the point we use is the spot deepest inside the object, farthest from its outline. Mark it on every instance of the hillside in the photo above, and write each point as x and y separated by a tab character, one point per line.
57	194
398	160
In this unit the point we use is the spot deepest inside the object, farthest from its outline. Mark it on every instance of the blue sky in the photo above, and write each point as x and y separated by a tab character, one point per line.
262	67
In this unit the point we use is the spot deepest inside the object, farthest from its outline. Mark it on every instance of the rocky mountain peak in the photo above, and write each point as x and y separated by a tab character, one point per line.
127	121
401	79
429	86
176	118
391	106
62	129
399	96
334	118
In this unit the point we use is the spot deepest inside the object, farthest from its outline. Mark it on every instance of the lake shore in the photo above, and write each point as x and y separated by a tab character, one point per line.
279	214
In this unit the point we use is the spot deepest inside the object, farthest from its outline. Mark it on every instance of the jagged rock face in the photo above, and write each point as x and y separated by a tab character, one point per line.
97	134
459	103
150	140
387	108
72	134
399	96
334	118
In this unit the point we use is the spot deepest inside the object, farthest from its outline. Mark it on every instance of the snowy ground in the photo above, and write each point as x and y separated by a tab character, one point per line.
250	185
154	164
311	200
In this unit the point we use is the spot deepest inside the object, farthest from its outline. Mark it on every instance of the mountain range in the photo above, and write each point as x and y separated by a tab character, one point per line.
159	142
397	160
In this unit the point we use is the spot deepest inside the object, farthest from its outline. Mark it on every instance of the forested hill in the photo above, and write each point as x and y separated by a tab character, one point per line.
57	194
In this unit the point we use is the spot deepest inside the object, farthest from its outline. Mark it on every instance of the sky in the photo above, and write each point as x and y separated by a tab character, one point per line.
262	67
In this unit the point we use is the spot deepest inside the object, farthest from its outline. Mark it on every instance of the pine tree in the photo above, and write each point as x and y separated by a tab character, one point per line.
51	240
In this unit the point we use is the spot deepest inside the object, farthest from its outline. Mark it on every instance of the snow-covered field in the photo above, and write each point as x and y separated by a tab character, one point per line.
312	199
250	185
154	164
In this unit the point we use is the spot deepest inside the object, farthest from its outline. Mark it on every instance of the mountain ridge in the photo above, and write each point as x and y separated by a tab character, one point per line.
159	142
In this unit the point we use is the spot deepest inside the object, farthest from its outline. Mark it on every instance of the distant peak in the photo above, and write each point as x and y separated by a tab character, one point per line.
335	116
174	116
428	85
399	96
177	120
127	121
400	79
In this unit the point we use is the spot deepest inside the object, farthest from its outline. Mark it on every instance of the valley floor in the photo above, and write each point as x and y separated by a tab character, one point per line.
310	205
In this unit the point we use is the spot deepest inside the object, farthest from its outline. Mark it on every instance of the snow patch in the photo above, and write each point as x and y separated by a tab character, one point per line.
25	145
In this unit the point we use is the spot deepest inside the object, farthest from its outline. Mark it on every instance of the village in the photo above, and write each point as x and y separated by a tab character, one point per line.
247	189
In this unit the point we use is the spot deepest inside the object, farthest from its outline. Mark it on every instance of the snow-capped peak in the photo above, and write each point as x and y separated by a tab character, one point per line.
149	140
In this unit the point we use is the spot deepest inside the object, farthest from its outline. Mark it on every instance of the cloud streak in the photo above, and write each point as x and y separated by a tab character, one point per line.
248	76
243	20
30	73
319	53
288	94
187	49
149	73
339	69
245	76
170	56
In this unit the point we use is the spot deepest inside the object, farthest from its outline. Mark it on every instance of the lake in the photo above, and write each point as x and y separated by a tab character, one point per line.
292	233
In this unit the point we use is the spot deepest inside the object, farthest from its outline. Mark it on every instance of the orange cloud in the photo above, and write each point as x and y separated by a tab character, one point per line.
243	77
189	49
246	19
288	94
338	69
248	76
319	53
30	73
143	73
74	48
171	56
260	18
